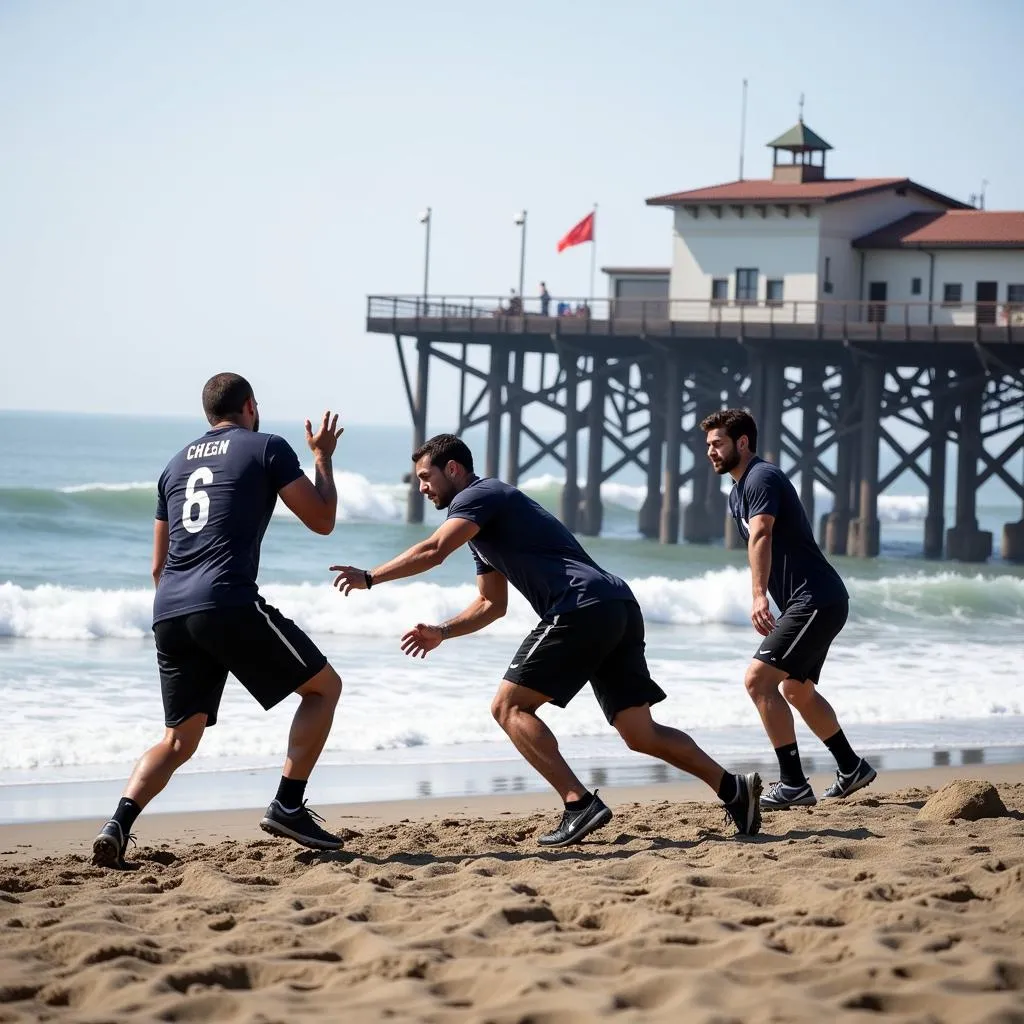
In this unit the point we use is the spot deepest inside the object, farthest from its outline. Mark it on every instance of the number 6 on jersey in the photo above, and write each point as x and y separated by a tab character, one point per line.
197	499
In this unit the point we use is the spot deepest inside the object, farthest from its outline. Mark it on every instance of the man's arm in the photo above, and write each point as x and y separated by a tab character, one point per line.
427	554
161	540
316	503
759	553
491	603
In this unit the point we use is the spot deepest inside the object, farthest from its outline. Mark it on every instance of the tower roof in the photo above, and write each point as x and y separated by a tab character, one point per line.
800	139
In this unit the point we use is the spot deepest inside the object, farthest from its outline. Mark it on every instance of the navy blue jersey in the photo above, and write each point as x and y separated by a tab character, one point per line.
217	495
800	573
537	554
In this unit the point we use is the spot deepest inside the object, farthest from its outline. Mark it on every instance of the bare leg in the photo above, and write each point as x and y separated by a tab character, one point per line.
813	708
643	734
762	683
156	766
515	709
312	723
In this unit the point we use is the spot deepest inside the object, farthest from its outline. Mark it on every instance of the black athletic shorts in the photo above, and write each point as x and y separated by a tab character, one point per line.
602	643
267	653
801	638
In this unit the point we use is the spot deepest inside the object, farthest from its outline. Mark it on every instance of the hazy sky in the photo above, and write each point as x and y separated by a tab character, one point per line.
187	187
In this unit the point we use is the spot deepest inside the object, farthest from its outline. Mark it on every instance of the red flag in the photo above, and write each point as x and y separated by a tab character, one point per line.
582	232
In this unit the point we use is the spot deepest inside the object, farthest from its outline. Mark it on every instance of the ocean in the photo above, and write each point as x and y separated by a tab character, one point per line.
929	669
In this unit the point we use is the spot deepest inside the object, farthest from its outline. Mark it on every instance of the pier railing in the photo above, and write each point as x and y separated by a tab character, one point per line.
989	321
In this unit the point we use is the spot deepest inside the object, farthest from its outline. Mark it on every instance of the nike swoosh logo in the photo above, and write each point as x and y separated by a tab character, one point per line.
759	652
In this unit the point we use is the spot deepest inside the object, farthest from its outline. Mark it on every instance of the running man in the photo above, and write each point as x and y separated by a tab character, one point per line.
590	628
214	502
785	562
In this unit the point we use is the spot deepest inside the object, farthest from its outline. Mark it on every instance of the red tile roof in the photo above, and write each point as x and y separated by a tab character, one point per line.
766	191
951	229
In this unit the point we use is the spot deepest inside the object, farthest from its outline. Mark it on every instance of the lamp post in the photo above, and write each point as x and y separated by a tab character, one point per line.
520	219
425	219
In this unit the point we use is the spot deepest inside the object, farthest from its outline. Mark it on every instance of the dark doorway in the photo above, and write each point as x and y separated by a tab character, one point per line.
985	294
878	292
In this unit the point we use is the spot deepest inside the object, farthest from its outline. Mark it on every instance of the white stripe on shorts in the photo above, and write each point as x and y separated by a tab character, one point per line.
284	639
537	643
800	634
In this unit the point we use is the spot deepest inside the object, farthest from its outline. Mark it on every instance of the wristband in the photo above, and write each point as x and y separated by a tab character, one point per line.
445	630
368	577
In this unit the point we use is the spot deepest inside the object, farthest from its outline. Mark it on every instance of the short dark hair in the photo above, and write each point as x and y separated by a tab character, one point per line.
224	396
736	423
445	448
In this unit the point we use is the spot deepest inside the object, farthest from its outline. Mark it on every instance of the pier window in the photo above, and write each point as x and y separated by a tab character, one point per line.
952	294
915	286
773	292
720	289
746	284
1015	295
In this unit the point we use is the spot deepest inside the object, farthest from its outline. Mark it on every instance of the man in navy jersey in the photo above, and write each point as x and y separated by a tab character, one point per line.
785	562
590	628
214	503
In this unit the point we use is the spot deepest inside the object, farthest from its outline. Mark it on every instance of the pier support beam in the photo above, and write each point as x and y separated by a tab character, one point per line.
414	501
935	520
571	492
668	532
717	503
837	523
863	540
592	510
770	424
810	384
965	542
496	380
1012	547
515	419
647	519
696	518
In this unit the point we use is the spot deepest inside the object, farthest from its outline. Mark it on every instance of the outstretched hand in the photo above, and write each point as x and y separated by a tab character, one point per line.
349	578
420	639
325	440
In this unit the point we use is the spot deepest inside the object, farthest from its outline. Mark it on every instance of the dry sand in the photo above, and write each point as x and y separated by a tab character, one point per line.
843	912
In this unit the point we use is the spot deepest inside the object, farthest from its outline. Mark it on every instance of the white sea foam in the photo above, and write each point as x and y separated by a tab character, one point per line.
721	596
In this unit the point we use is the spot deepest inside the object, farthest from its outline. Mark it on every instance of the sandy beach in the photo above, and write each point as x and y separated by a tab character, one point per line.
446	910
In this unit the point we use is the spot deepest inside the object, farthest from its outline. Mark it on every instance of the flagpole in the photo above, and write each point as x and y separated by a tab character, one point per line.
593	256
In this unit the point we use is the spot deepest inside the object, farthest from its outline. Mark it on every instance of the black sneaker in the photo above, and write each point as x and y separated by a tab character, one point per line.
745	810
300	825
577	824
781	796
108	848
863	775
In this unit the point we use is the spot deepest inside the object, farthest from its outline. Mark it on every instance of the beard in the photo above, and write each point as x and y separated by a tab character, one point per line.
443	498
728	464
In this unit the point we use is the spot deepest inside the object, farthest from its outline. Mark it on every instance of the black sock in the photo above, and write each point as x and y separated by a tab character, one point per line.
578	805
839	747
729	788
126	813
290	793
791	771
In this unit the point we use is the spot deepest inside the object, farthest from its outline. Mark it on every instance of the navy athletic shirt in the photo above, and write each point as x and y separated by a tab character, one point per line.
529	546
800	573
217	495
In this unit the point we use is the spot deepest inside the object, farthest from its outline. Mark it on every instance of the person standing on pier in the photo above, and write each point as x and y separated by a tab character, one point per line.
785	562
591	629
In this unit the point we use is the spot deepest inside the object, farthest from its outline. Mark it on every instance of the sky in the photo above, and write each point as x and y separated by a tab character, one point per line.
191	187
